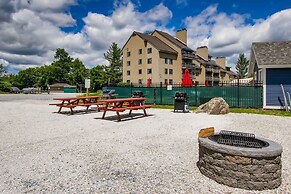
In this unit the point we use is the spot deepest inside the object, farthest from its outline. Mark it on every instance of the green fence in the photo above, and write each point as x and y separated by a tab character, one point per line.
69	90
235	96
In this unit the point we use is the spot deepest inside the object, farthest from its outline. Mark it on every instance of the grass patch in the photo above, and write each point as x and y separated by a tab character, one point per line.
171	107
238	110
261	111
1	92
98	93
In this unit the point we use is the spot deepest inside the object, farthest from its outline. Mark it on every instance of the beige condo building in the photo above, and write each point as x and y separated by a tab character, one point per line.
160	58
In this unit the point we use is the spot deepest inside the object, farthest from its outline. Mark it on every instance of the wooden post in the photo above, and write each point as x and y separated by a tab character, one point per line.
87	91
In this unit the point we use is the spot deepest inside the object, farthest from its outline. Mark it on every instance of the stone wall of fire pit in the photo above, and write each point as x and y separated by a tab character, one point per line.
240	167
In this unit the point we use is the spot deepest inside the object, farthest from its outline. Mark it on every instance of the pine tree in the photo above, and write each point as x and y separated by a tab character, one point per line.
242	66
113	55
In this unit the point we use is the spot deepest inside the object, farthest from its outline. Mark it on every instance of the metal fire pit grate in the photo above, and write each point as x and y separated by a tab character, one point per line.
239	139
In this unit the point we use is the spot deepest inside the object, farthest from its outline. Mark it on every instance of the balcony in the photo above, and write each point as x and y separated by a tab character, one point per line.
215	70
216	79
188	66
208	69
188	56
208	78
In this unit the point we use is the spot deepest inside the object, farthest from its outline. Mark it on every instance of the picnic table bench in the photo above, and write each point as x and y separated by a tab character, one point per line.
121	104
72	102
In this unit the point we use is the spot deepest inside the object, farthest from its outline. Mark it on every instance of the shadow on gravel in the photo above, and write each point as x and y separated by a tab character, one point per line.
125	117
76	112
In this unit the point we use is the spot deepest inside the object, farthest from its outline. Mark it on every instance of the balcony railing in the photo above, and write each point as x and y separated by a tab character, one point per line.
215	78
208	78
210	69
188	56
188	66
215	70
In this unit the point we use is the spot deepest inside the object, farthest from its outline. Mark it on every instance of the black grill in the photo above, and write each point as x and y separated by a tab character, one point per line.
181	102
137	94
239	139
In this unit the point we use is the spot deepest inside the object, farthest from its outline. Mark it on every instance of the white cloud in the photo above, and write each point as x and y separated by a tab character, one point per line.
182	2
103	30
45	5
59	19
31	32
229	35
4	62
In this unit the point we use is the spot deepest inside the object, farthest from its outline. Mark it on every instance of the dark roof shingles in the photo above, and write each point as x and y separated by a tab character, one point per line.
157	43
172	39
272	53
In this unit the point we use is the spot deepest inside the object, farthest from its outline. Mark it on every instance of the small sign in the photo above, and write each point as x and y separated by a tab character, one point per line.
169	87
87	83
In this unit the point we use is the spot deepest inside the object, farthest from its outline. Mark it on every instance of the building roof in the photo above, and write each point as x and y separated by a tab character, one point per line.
272	53
175	41
157	43
56	85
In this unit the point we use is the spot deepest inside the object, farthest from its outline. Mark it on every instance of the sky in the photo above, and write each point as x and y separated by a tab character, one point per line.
32	30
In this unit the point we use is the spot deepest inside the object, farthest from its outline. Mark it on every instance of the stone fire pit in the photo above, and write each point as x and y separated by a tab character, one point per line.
241	167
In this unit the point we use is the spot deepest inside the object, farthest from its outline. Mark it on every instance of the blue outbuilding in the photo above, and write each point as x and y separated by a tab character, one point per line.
270	63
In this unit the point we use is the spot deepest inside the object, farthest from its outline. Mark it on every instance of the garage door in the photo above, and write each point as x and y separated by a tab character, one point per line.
274	78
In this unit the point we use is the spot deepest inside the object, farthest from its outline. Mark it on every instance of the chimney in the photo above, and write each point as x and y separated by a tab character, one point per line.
221	61
202	52
182	35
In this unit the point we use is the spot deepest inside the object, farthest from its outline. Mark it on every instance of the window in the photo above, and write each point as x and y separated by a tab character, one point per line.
139	51
166	71
170	82
149	60
149	50
140	71
128	53
149	71
168	61
171	71
166	81
139	81
128	63
140	61
128	81
128	72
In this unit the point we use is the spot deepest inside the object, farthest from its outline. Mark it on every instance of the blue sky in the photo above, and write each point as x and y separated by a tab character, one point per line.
32	30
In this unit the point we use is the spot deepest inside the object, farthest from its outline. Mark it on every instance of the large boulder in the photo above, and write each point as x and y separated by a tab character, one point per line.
215	106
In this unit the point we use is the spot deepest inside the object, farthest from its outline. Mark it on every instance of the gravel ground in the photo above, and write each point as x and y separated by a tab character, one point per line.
45	152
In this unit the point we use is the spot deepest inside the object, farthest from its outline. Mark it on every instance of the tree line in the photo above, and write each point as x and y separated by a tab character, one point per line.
65	69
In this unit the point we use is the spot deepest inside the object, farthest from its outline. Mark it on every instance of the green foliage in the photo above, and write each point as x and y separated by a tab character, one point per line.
114	72
123	84
98	93
242	66
3	71
5	86
98	77
65	69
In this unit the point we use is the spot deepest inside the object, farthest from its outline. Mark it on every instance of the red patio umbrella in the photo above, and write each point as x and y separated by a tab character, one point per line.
149	82
187	82
206	84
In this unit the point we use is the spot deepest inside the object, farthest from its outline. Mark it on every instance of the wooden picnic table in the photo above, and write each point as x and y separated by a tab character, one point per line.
72	102
121	104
